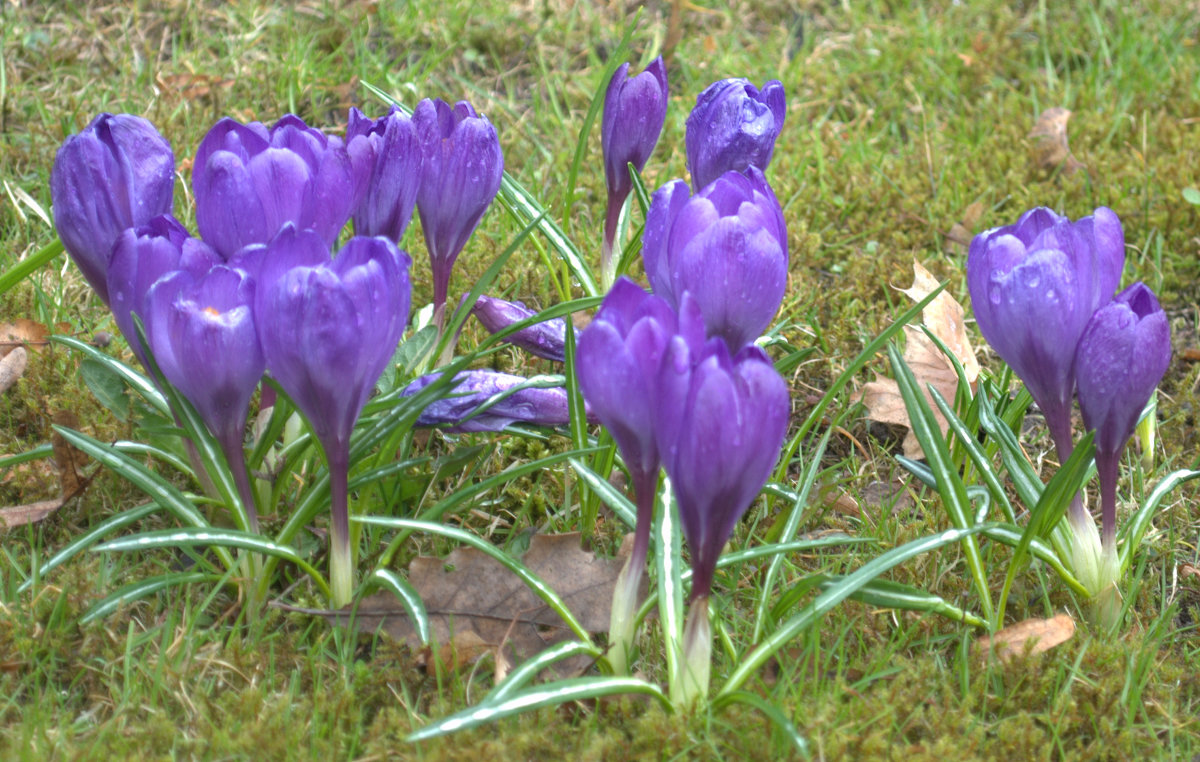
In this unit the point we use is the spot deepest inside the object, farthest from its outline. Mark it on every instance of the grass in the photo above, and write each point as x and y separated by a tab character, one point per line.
899	119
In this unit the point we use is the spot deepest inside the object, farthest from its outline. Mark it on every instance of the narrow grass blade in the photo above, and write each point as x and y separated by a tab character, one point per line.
668	562
886	594
530	668
37	453
216	538
789	531
1011	535
983	465
531	580
141	589
409	598
615	59
1135	528
950	484
612	497
89	538
136	381
834	595
141	448
771	712
549	694
1025	480
18	272
160	490
1050	508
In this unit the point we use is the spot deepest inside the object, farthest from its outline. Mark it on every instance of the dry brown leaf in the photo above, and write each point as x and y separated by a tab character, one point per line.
944	318
472	599
1188	570
1050	146
71	484
12	367
22	333
963	231
1033	636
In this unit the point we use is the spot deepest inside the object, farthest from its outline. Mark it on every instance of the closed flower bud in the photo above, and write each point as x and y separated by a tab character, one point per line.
727	246
733	126
1034	286
488	400
547	339
387	163
463	166
140	257
118	173
250	181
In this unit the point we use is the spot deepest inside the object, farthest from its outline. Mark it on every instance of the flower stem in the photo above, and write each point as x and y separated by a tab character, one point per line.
622	622
1106	468
231	445
697	656
341	558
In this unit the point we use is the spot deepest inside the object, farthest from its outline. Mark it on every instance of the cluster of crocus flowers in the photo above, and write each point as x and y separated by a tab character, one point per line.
260	288
674	375
1043	294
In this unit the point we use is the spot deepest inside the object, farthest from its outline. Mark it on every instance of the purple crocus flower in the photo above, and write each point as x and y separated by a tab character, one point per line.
719	423
733	126
142	255
547	339
1034	286
617	362
463	166
471	389
203	335
727	246
1123	353
250	181
118	173
328	329
634	111
387	160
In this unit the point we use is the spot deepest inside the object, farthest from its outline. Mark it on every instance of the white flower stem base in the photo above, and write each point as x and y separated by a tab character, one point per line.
621	629
693	679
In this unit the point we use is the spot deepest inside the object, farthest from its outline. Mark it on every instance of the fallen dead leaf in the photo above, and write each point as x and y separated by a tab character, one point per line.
944	317
477	606
22	333
1050	147
1033	636
71	484
1187	570
12	367
963	231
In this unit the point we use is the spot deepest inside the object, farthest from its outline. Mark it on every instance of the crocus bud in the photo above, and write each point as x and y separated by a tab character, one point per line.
727	246
142	255
328	329
387	162
1034	286
249	181
1123	354
634	111
719	422
547	339
202	332
617	362
487	400
117	173
733	126
463	166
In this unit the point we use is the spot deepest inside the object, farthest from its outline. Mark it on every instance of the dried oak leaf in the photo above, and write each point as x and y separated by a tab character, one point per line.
1036	635
944	317
1050	145
478	606
22	333
69	460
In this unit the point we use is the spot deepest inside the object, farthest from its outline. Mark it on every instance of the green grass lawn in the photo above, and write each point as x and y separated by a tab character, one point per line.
902	123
